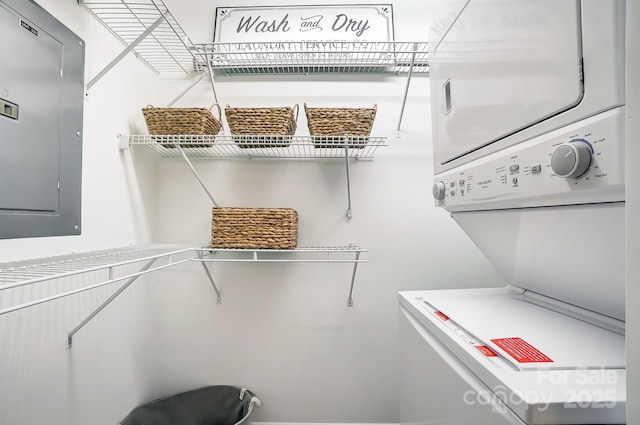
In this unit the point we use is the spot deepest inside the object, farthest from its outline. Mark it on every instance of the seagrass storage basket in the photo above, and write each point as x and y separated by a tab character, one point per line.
339	126
254	228
182	121
262	127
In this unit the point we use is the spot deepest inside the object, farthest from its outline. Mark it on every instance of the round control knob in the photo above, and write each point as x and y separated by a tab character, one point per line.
571	159
439	190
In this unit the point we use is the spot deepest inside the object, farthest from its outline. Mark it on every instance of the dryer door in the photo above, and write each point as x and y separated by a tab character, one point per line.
501	67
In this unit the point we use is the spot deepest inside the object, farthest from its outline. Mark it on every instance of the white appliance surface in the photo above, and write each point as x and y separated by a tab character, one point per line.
509	70
573	254
527	103
546	367
523	175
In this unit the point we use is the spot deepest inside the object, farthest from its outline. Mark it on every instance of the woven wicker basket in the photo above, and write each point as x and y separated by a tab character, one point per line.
254	228
264	127
182	121
333	126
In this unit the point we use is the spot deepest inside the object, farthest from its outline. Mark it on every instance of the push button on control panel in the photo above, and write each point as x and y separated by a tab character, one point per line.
514	167
535	169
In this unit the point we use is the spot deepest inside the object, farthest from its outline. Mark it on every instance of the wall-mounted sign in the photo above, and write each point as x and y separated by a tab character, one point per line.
359	22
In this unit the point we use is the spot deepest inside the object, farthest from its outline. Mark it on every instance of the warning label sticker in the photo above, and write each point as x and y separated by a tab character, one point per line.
521	350
486	351
441	315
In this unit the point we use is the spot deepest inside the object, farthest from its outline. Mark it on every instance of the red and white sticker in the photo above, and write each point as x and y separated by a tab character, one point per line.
488	352
441	315
521	350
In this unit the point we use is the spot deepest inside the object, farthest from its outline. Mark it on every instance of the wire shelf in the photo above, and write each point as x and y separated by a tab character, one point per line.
21	273
300	249
229	146
318	254
314	57
166	49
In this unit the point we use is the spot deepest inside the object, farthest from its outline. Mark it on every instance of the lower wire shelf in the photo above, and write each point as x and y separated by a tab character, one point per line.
320	254
111	266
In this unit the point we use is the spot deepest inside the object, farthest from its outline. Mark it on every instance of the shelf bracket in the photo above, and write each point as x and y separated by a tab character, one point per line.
107	302
406	89
187	90
353	279
125	52
195	173
346	157
213	84
213	283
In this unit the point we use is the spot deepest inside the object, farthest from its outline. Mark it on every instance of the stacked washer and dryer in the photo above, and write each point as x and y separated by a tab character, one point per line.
528	126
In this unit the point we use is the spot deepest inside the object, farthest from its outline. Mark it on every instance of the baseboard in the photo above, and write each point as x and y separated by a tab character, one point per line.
321	423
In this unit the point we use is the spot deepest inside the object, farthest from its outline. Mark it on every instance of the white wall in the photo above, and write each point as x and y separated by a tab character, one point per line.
284	331
108	369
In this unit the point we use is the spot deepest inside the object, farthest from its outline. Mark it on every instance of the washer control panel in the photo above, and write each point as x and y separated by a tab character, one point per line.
582	163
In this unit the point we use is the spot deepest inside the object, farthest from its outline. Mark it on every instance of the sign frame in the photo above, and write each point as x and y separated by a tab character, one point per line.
350	22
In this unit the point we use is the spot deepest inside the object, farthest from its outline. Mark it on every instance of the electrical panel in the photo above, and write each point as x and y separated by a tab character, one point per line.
41	107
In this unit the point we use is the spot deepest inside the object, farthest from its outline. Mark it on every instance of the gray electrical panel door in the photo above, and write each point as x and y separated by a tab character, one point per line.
41	101
31	80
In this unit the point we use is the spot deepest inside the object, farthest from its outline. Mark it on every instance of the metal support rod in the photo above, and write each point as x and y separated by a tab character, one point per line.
195	173
107	302
406	89
86	288
346	157
185	91
353	279
213	84
213	283
125	52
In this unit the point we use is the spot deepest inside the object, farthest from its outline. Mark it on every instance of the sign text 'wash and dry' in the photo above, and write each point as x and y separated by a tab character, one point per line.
304	23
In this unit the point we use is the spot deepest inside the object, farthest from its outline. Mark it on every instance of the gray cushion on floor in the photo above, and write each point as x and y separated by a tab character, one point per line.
213	405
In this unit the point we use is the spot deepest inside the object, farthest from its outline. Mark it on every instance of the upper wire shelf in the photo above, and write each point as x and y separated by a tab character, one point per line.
166	49
257	146
314	57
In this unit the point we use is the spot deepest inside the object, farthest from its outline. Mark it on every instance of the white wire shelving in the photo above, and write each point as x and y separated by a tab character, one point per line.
315	57
150	29
229	146
247	147
112	266
108	265
319	254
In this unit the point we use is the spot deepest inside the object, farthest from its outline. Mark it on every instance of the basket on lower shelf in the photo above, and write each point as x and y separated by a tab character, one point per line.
254	228
187	122
336	127
262	127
